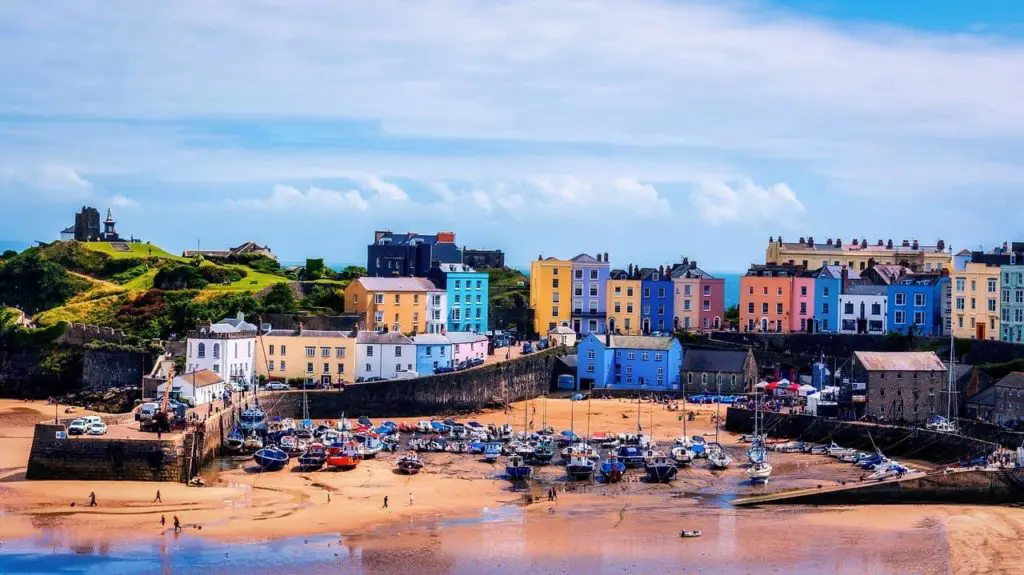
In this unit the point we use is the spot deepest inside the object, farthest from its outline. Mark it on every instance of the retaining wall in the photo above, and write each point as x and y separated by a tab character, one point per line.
103	369
91	458
913	443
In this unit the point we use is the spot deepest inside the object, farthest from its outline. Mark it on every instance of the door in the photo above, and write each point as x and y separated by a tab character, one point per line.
979	330
325	380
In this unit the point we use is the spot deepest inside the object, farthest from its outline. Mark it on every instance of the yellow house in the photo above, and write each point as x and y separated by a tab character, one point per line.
550	293
623	297
398	304
324	357
976	300
857	254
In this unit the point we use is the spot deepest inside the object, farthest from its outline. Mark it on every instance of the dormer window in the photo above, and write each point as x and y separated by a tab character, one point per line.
654	276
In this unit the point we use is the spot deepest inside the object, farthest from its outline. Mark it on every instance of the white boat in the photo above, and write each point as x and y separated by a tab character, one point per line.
252	443
423	426
759	472
888	470
682	455
717	457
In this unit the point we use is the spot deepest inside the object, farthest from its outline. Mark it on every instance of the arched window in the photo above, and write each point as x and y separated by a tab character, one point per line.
216	351
202	350
689	379
704	379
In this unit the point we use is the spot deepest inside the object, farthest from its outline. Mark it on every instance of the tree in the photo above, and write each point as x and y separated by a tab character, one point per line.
279	299
324	296
34	283
8	254
315	269
732	314
352	273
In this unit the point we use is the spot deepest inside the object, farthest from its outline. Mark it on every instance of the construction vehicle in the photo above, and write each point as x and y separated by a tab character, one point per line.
171	414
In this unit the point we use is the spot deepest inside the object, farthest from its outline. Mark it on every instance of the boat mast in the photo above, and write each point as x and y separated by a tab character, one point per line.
590	396
718	398
684	412
952	349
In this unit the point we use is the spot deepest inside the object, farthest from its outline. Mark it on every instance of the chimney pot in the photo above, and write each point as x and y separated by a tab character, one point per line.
810	241
801	240
889	244
829	241
881	243
606	257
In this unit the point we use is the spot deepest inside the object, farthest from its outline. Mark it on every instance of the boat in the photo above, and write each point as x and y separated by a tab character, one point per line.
505	432
759	472
718	459
291	445
423	426
371	446
757	453
516	468
579	467
543	452
476	447
457	447
235	440
271	458
522	449
580	449
887	471
682	455
851	457
253	420
661	469
630	455
612	469
492	451
314	457
252	443
305	430
687	533
409	464
344	456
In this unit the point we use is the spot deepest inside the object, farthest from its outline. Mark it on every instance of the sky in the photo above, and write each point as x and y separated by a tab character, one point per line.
648	129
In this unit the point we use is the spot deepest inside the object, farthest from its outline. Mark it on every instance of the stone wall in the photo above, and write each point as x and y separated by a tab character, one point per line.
102	459
460	392
81	334
103	369
912	443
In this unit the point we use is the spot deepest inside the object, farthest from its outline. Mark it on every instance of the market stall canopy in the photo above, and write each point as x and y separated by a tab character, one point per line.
807	390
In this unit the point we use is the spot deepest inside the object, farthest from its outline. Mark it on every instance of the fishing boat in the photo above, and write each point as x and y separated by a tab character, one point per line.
252	443
661	469
409	464
759	472
612	469
423	426
522	449
682	455
371	446
630	455
516	468
305	430
580	467
505	432
235	440
314	457
271	458
293	446
492	451
476	447
344	456
253	420
543	452
457	447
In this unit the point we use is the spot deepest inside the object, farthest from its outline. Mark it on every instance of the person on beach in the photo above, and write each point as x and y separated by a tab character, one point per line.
328	496
410	499
177	524
385	502
157	498
92	499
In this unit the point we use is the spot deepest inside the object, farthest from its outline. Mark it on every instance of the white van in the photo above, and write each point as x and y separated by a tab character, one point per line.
147	411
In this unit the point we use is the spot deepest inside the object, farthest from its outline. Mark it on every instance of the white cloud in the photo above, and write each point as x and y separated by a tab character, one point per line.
51	182
120	201
746	202
314	200
385	190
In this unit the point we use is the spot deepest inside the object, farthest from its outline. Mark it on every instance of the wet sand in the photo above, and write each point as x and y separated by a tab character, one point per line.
464	518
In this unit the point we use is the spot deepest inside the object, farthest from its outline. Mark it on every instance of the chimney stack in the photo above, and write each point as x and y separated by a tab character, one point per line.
940	245
846	279
881	243
829	241
906	243
916	245
810	241
839	243
888	244
606	257
801	240
864	243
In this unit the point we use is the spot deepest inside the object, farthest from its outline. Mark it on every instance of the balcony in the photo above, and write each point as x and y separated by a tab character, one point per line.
578	313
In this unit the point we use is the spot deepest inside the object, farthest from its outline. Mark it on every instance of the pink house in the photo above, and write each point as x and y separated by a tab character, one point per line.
467	345
802	308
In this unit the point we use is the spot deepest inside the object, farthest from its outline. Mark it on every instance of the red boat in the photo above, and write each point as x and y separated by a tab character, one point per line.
345	456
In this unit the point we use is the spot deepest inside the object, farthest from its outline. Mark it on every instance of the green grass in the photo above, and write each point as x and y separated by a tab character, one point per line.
254	281
136	250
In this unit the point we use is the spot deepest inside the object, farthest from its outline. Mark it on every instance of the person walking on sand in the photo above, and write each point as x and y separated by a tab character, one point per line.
177	524
163	520
410	499
328	496
157	498
385	502
92	499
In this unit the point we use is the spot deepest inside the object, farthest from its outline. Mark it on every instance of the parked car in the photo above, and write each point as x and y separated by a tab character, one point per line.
92	419
78	427
97	428
277	386
444	369
473	362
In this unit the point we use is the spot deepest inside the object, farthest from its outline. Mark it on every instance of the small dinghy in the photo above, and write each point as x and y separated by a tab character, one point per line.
271	458
409	464
687	533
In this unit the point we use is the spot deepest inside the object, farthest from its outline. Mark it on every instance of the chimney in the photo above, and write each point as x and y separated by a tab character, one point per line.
829	241
780	240
801	240
241	316
606	257
686	262
845	280
906	243
771	239
864	243
916	245
810	241
839	243
693	265
881	243
940	245
888	244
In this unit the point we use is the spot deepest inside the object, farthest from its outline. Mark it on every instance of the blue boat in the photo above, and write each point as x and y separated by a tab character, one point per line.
235	439
253	419
305	430
612	469
439	427
492	451
517	469
631	455
579	467
567	436
271	458
757	453
476	447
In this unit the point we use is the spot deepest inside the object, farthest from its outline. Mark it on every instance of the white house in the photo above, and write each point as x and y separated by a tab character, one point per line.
437	311
562	335
864	309
201	387
227	348
383	355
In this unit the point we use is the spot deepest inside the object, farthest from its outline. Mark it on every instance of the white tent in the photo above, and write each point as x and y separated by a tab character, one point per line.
762	385
806	390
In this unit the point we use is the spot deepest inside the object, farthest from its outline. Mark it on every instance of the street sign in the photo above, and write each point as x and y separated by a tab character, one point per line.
62	435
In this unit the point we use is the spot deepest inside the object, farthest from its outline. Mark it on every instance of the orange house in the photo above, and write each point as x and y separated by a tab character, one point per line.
766	297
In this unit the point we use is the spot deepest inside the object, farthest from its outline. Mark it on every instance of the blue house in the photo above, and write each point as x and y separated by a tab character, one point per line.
656	301
433	350
589	305
828	285
629	362
467	295
916	304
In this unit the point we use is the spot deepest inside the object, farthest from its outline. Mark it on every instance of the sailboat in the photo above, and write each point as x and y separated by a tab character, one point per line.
681	451
760	470
717	457
544	451
580	467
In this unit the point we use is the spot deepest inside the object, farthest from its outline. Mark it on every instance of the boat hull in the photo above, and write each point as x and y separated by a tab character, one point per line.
343	461
270	461
311	462
579	472
518	473
661	473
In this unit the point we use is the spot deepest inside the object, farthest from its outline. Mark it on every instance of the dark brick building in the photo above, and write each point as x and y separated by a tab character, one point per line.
708	370
481	259
896	386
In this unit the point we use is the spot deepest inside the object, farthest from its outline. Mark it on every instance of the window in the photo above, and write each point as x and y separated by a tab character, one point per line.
647	292
686	305
658	357
991	286
216	368
974	285
974	303
707	305
457	313
803	308
270	349
593	274
369	351
270	365
398	351
369	367
959	284
398	299
216	351
428	350
593	290
629	308
960	303
327	368
778	308
661	310
707	290
325	352
918	318
764	308
310	351
644	356
992	304
631	355
704	379
824	308
661	292
919	299
578	274
876	309
309	367
848	308
618	290
900	317
398	367
750	307
590	368
479	284
618	308
554	272
901	298
578	290
803	291
201	350
764	290
629	292
378	298
341	368
751	290
554	283
780	291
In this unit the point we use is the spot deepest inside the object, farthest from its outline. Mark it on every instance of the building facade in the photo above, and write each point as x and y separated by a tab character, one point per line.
411	254
1011	300
657	310
383	355
467	296
623	305
718	371
698	298
198	387
433	351
322	357
589	279
864	309
401	304
857	255
550	293
467	346
976	293
766	296
916	304
624	362
828	284
802	306
483	259
227	348
1008	400
897	386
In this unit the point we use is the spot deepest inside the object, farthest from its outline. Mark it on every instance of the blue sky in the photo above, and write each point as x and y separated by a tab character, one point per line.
650	129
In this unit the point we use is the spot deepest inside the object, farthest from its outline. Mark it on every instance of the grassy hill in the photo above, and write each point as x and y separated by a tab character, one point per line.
135	250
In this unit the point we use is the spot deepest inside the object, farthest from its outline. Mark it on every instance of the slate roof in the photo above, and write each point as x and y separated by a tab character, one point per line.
899	361
455	268
1014	380
465	337
640	342
388	338
430	339
307	333
397	284
836	272
985	397
720	360
866	289
198	378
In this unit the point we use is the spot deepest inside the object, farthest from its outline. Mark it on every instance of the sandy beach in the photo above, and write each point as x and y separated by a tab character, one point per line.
463	513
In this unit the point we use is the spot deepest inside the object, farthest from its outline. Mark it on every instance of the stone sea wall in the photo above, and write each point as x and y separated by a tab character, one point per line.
78	458
103	369
450	393
912	443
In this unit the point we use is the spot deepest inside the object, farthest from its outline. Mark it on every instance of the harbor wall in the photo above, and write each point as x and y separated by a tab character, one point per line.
77	458
894	441
451	393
